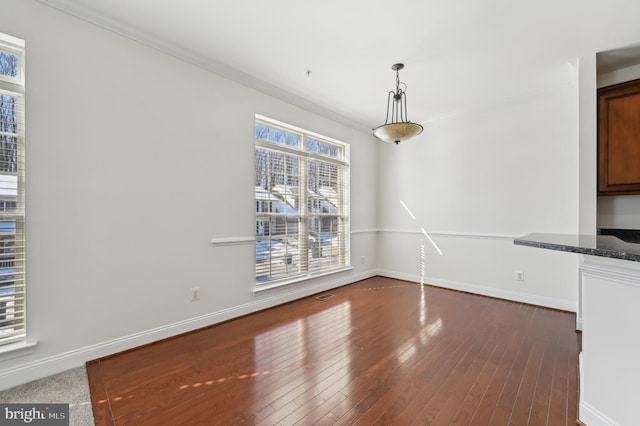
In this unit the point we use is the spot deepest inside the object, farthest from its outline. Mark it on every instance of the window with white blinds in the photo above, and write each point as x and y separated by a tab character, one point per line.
12	241
302	208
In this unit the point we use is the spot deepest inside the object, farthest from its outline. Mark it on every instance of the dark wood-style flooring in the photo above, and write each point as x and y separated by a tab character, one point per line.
379	352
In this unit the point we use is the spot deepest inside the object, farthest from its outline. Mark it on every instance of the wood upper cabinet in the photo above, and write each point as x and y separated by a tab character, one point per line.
619	139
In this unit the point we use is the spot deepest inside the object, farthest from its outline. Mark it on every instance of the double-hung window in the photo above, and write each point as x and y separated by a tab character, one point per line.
12	254
302	203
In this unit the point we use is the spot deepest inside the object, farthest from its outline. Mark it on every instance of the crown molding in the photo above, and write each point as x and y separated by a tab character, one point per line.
185	54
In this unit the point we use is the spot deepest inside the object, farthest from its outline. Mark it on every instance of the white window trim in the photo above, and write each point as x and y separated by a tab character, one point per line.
282	283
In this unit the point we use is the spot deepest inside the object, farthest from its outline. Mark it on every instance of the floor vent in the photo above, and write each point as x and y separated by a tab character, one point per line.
324	296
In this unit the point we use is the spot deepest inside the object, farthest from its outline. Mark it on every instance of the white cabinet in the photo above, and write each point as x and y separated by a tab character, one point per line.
610	360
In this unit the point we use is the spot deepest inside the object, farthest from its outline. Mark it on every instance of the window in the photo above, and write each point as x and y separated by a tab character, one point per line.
301	194
12	268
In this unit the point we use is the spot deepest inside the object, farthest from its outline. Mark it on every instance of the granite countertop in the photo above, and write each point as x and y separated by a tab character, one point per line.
594	245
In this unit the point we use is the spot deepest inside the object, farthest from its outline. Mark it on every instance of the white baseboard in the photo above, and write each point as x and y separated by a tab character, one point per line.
592	417
564	305
44	367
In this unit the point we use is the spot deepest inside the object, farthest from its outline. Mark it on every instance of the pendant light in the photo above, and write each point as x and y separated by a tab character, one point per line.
397	128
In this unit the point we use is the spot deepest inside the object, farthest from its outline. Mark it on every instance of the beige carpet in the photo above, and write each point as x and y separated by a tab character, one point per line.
69	387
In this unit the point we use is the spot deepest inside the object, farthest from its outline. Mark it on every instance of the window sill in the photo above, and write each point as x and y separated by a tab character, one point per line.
17	349
284	283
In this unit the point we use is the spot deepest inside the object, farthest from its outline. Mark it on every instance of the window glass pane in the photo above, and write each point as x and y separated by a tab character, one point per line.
324	242
7	249
9	303
277	216
277	136
262	132
324	199
8	127
276	181
8	64
277	258
323	184
8	114
8	154
323	148
8	193
293	140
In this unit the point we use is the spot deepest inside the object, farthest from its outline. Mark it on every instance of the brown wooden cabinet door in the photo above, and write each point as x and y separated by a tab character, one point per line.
619	139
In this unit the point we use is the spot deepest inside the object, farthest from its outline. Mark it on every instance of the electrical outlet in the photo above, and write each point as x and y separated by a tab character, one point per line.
519	275
362	260
195	294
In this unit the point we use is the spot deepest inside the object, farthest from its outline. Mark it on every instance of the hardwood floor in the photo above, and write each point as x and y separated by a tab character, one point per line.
379	352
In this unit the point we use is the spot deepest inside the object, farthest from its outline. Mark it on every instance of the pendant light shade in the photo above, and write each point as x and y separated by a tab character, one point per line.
397	128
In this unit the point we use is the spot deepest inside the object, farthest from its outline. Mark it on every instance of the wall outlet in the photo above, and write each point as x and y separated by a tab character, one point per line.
519	275
362	260
195	294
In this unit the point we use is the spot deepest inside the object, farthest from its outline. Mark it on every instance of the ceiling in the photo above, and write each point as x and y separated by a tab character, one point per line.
334	56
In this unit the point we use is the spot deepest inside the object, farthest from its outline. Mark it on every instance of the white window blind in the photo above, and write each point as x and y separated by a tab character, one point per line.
12	206
301	196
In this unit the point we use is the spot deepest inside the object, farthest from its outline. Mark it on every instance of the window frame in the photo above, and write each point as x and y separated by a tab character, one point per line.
15	87
304	156
14	46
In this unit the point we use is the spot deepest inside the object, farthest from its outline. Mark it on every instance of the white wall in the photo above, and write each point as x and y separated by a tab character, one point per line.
619	211
135	161
588	144
476	180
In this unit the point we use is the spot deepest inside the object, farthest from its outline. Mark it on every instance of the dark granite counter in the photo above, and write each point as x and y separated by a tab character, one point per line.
594	245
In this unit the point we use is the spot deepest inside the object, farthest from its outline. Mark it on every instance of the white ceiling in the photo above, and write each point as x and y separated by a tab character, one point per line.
458	54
